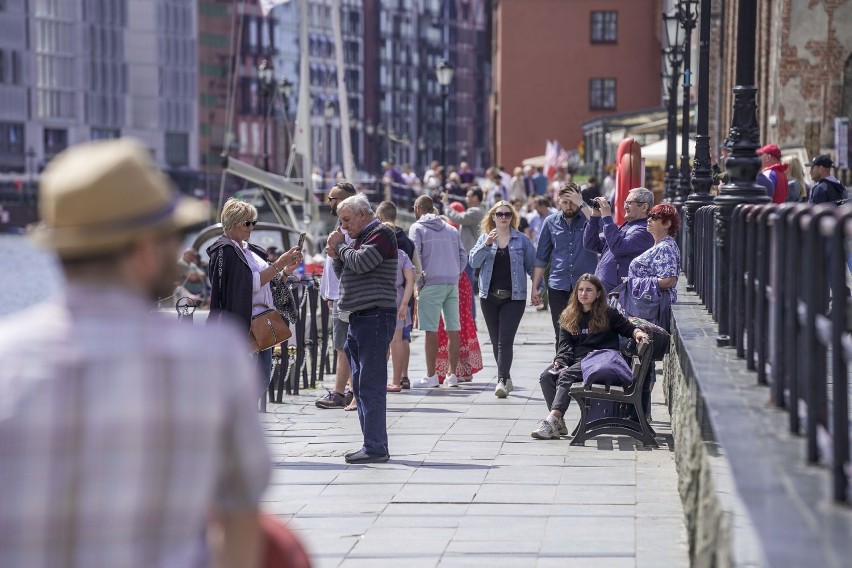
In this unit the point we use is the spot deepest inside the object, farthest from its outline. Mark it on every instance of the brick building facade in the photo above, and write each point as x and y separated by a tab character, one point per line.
803	70
558	63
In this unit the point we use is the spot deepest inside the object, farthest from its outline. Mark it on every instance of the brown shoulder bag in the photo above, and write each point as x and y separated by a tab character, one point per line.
268	328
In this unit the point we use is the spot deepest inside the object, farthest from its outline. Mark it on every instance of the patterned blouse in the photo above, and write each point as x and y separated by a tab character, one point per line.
660	261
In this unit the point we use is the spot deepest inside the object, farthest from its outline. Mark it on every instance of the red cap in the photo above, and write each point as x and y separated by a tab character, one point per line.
772	150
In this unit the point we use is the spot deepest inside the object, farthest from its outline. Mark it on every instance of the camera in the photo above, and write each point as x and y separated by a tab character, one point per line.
595	204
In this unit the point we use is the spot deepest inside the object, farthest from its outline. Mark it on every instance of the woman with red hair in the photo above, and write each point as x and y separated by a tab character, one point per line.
654	273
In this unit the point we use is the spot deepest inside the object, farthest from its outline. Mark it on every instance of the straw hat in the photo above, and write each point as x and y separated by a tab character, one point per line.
98	197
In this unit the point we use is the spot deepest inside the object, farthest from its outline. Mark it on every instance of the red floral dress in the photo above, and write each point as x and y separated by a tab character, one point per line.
470	356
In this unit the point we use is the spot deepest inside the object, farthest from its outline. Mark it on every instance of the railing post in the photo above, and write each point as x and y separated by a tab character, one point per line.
839	365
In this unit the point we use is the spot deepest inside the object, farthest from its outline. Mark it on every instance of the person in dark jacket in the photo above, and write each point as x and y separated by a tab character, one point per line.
586	324
240	275
827	188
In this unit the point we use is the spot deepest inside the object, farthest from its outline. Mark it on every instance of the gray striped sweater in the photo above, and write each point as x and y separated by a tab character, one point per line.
367	270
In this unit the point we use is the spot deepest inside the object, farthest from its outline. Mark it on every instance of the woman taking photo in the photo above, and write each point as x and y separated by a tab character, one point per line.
504	257
653	274
586	324
240	275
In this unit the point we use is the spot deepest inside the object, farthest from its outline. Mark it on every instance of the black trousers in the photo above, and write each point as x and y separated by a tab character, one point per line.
502	317
555	387
558	301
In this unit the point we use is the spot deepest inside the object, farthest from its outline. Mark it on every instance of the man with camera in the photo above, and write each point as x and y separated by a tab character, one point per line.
560	245
617	245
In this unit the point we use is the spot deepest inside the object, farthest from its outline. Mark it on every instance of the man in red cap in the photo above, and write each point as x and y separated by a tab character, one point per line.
774	171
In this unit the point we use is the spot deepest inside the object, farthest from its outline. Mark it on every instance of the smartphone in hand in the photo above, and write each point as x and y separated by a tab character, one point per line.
301	241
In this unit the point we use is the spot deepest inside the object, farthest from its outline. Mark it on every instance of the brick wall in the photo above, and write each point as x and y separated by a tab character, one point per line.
802	47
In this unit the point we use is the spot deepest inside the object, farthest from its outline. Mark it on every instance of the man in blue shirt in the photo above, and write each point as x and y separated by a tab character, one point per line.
560	245
618	246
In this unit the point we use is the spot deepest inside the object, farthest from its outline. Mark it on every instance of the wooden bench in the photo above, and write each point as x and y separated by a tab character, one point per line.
638	429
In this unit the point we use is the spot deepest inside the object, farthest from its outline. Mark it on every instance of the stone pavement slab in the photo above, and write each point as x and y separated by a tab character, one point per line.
466	484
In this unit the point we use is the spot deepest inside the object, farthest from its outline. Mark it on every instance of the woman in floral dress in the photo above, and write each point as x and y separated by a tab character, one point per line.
470	355
656	270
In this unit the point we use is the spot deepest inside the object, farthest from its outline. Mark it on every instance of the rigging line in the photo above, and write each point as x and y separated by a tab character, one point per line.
231	98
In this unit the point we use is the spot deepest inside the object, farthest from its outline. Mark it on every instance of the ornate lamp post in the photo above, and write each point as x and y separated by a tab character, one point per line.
687	15
285	89
266	81
381	132
421	154
354	127
444	72
328	112
702	174
743	164
673	56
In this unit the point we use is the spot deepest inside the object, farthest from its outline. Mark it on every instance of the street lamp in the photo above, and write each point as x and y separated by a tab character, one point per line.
380	132
743	165
329	114
285	88
354	127
673	56
702	174
444	72
266	82
687	15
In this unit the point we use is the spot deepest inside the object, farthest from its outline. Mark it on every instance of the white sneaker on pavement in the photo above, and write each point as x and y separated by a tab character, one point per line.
427	382
546	430
451	381
509	386
501	391
561	428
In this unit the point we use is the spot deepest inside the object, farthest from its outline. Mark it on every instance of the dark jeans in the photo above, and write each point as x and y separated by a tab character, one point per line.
263	363
502	318
367	341
555	387
558	301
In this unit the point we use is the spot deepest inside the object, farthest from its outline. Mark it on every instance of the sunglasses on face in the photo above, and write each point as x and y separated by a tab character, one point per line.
503	215
250	223
654	217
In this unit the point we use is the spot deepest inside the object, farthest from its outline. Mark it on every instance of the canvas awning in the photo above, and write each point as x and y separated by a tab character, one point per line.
656	152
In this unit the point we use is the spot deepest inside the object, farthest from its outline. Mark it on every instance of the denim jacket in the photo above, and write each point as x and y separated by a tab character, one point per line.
522	255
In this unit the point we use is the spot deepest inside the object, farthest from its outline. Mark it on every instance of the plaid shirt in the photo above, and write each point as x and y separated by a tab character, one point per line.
119	431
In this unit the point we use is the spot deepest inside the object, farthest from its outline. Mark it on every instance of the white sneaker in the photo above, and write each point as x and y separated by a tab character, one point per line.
500	391
451	381
561	428
427	382
509	386
546	430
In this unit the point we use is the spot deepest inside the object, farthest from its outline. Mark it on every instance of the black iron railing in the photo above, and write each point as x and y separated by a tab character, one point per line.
789	315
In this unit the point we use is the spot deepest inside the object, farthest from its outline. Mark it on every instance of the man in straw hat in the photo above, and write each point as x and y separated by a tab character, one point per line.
124	435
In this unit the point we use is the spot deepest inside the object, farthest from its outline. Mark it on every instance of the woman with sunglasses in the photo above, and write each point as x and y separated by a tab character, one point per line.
504	257
240	275
654	273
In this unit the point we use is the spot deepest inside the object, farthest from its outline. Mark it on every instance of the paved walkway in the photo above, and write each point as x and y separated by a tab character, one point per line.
468	486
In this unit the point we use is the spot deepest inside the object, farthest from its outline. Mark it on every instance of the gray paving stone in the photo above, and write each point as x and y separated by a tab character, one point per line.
467	485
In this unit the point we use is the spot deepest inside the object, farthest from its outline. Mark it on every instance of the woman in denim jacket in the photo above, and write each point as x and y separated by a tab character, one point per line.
504	257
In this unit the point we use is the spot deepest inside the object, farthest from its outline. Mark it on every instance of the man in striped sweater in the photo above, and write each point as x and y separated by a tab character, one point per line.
367	271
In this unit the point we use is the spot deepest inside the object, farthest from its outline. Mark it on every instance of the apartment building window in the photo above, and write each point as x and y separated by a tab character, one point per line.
15	71
177	149
604	27
55	140
105	133
11	138
602	94
2	64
